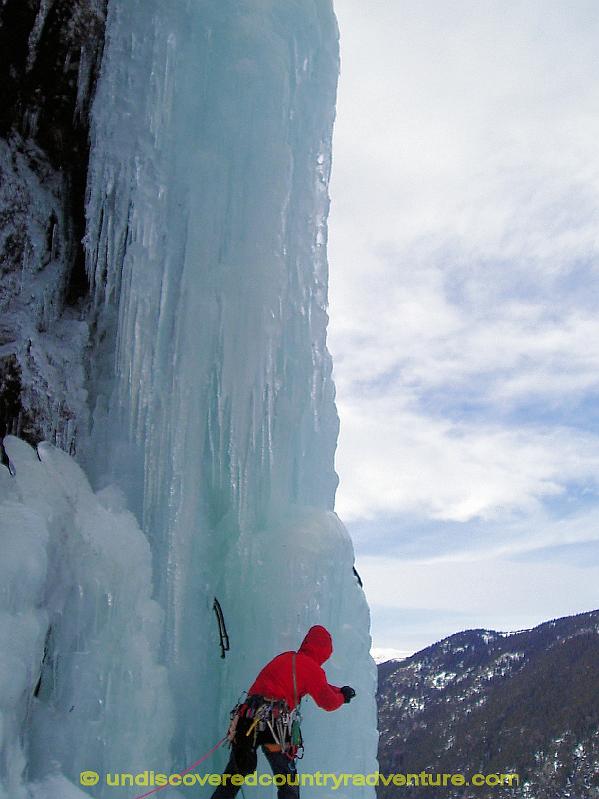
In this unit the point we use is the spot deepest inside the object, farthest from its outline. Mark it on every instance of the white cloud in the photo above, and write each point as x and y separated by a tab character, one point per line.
496	588
464	254
495	594
464	250
393	460
442	109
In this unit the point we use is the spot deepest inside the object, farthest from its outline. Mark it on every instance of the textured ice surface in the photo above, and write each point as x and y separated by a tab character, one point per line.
207	250
80	687
206	240
213	412
56	787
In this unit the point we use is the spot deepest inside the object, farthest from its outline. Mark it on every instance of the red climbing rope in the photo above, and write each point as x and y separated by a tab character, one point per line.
187	770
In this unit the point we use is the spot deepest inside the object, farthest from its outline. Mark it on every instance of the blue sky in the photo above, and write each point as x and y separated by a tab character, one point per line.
464	303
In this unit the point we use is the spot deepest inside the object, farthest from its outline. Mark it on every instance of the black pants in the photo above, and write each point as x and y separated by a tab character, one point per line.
279	763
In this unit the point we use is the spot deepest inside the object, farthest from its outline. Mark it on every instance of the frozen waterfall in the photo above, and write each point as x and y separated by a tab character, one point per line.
212	403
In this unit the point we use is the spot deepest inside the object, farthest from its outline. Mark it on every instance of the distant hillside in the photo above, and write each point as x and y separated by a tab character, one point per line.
488	702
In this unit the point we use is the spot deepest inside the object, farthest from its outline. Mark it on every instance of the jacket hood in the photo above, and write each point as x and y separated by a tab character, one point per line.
317	644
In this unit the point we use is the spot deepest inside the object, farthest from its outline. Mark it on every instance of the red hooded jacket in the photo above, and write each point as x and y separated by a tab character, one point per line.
276	678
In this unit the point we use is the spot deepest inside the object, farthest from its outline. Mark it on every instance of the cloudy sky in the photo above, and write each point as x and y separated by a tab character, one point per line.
464	252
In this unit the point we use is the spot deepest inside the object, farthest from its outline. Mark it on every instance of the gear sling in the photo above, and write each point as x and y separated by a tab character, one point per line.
273	725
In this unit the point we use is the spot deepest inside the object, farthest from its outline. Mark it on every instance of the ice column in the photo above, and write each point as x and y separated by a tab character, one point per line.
213	399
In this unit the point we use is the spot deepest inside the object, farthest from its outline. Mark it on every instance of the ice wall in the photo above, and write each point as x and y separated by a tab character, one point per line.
211	392
207	249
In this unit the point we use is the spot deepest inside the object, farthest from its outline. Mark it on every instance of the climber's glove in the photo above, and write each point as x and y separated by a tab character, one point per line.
348	693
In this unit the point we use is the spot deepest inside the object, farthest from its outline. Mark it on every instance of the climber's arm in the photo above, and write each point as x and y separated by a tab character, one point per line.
326	696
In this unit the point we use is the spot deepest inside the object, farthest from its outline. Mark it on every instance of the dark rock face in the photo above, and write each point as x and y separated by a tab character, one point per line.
50	52
486	702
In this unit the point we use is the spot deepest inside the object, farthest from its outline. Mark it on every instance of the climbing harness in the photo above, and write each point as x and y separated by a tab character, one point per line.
187	770
222	630
262	713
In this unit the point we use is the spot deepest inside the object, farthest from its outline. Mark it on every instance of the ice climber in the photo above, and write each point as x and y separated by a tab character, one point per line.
269	717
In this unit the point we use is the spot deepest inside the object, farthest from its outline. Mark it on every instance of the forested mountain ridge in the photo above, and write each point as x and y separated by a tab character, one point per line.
489	702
